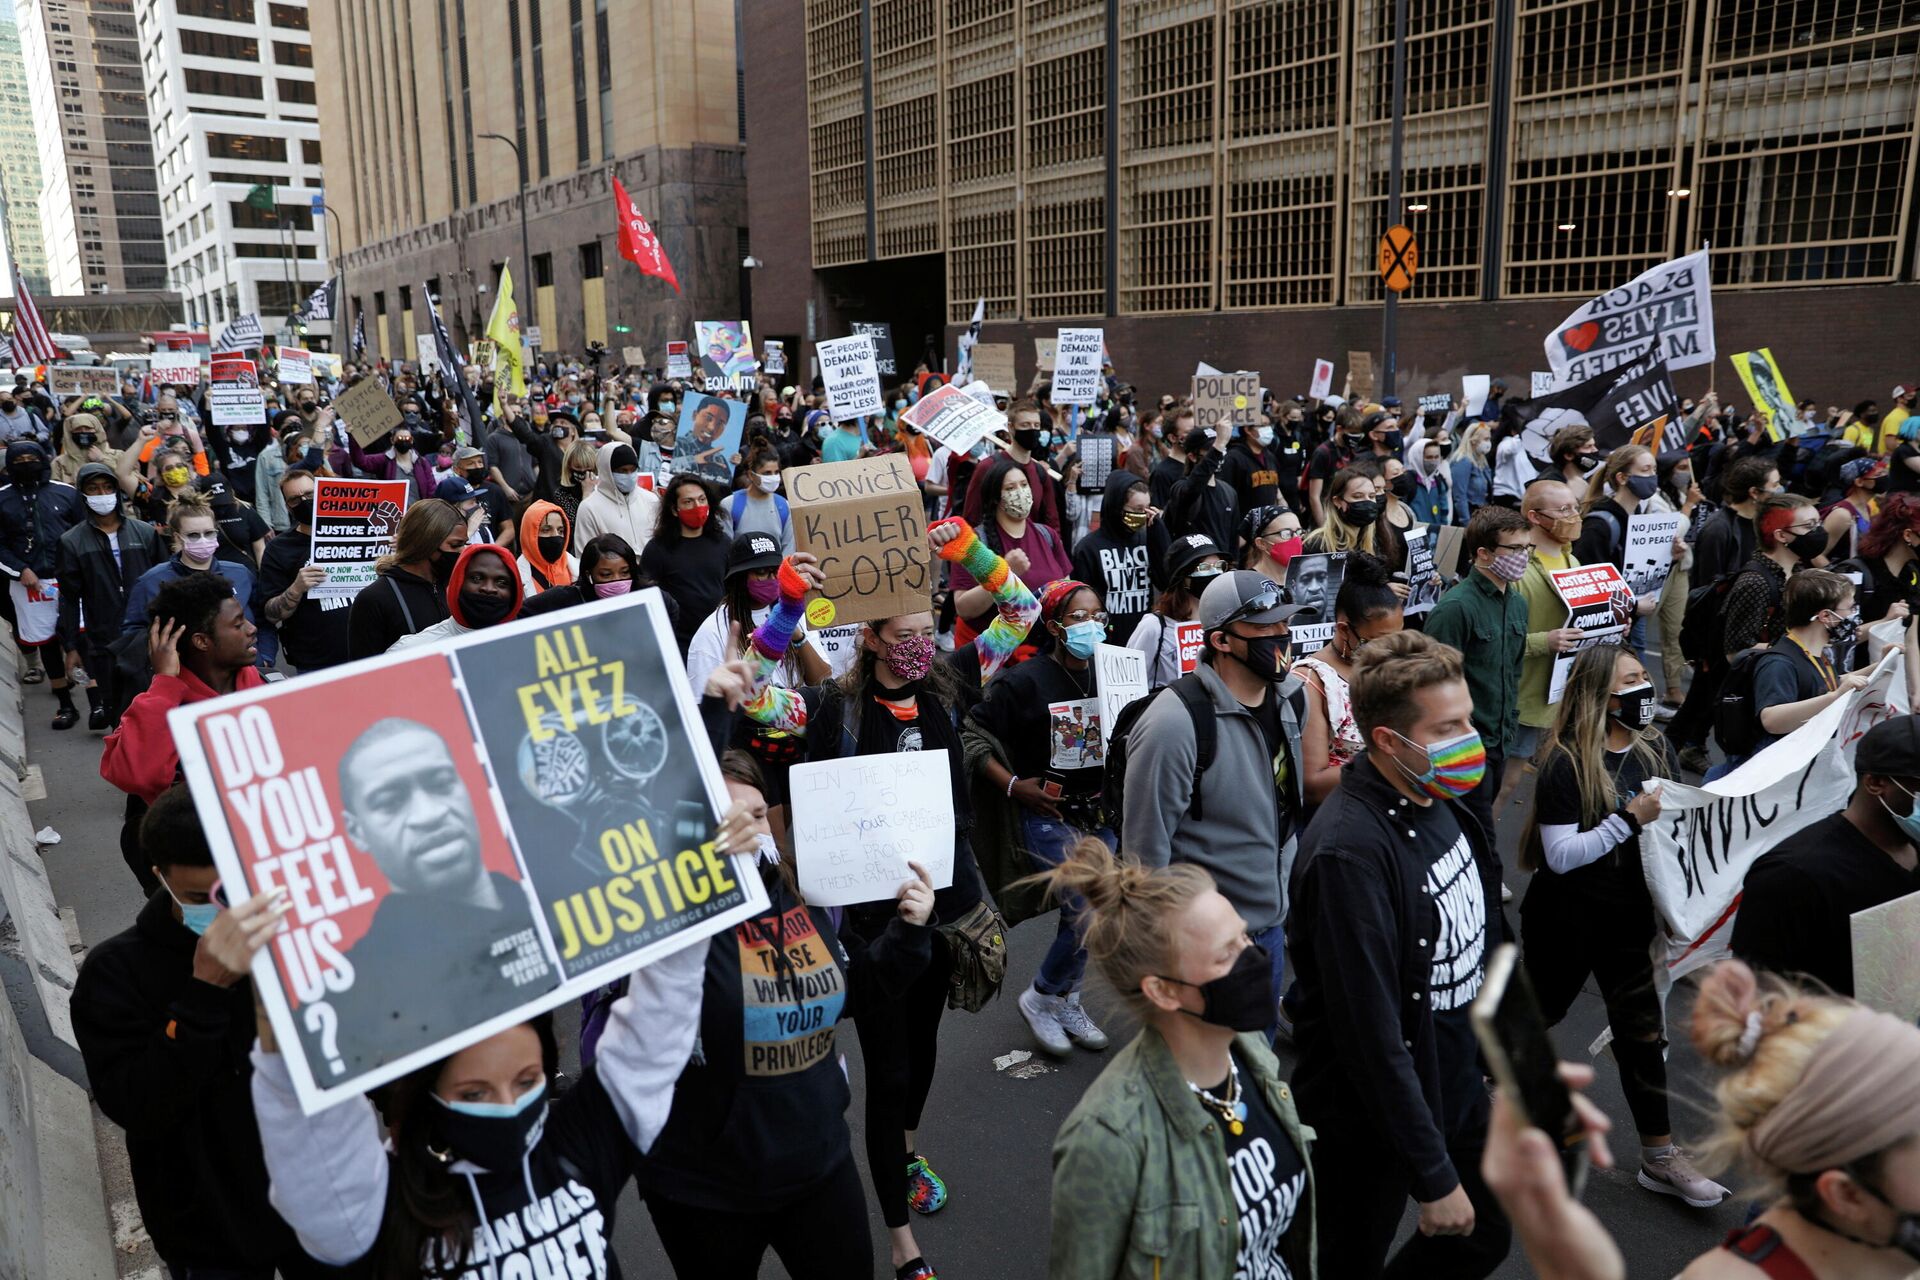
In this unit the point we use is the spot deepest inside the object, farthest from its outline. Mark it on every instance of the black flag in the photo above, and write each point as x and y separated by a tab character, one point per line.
452	371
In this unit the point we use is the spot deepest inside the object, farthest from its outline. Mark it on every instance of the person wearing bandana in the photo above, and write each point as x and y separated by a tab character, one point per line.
482	591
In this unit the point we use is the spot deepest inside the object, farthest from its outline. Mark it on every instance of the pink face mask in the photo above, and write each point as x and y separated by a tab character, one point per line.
912	658
763	591
608	590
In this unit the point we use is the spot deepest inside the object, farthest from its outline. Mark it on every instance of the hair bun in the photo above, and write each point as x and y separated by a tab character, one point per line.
1728	1023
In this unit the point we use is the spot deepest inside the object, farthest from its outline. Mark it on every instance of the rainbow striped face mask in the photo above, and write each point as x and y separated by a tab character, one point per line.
1454	767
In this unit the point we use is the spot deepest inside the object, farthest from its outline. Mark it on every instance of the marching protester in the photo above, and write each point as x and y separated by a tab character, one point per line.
483	590
409	592
1191	563
1116	558
687	555
1364	610
1201	502
1625	481
196	540
617	503
35	512
1571	457
1031	547
1553	520
1887	561
1192	1112
577	478
1792	679
1472	472
1273	537
313	631
1847	520
1429	491
1252	468
752	588
1355	521
99	559
399	461
758	507
545	536
1026	453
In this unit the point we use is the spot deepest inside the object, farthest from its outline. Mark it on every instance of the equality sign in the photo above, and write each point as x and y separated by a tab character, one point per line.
532	820
1076	366
726	354
1121	676
859	820
1226	397
368	411
851	372
1672	303
353	526
1599	606
1649	550
954	418
865	522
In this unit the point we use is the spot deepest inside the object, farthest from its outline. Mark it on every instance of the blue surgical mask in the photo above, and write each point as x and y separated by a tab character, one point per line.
197	916
1909	823
1082	638
496	1110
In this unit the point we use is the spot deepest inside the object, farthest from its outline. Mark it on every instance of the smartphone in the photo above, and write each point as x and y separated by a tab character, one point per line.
1513	1036
1051	789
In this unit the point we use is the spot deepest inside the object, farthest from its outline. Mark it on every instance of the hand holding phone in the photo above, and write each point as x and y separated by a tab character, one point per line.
1513	1035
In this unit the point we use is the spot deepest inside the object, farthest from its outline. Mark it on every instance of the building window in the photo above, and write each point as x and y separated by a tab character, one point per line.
576	31
380	303
406	298
247	218
519	87
539	85
291	16
245	146
270	250
310	150
542	270
296	91
224	84
212	44
466	97
590	263
288	54
218	10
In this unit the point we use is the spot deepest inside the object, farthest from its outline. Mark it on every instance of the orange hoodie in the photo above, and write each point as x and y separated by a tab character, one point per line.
557	573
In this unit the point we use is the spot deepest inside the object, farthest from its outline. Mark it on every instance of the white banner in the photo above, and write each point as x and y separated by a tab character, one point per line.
1673	302
1076	366
296	366
851	371
1648	557
175	369
426	354
1696	854
858	821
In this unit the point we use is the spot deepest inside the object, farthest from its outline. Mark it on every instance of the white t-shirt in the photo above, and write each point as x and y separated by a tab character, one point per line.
708	649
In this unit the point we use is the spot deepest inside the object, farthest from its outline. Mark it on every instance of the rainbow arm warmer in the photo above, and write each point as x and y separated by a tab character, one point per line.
771	705
1018	608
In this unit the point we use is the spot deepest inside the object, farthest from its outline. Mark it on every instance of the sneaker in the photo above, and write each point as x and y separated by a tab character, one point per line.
1506	894
918	1269
1674	1175
926	1190
1665	711
1042	1013
1079	1027
97	720
66	717
32	673
1695	758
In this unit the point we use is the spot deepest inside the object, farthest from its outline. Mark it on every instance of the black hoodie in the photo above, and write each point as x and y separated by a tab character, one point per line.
1117	561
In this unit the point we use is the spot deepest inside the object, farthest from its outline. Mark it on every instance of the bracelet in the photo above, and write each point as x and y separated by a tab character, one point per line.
1010	782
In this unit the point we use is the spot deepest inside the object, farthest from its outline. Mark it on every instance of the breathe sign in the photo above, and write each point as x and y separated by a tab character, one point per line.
863	519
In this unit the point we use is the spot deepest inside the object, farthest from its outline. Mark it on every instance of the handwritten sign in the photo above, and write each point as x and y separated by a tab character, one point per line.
852	374
865	522
1360	373
1226	397
1121	675
83	380
859	820
993	365
175	369
368	411
1076	366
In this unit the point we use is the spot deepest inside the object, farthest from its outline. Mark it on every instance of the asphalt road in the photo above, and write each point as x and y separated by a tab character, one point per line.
987	1132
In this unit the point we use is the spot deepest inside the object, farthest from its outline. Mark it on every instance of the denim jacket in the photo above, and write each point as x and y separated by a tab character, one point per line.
1141	1188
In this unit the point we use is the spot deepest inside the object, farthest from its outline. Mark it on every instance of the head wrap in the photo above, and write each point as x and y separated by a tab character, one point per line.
1057	593
1860	1093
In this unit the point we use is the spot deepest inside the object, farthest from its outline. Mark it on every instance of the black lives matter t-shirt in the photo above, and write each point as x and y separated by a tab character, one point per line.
1269	1181
1459	951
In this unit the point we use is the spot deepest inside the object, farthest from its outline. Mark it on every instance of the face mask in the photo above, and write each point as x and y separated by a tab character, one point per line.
1267	656
1682	480
1586	461
1454	767
1809	544
485	611
559	432
1563	528
763	591
239	435
1241	999
1017	503
625	481
1403	487
199	547
608	590
443	562
1285	549
1082	638
103	504
910	659
1199	582
1643	487
173	477
552	547
1636	706
1134	520
494	1135
693	517
1361	514
197	916
1511	566
1394	441
1030	440
86	439
1843	630
575	399
666	406
1909	823
301	512
402	444
1263	436
1481	446
411	418
768	484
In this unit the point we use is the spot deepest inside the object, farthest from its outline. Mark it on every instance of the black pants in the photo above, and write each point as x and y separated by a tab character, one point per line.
897	1043
1694	721
1479	801
820	1236
137	860
1362	1191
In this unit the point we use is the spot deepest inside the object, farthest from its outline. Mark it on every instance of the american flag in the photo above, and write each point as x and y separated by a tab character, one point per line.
32	344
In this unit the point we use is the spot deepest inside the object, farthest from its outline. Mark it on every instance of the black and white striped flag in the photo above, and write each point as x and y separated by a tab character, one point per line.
359	334
241	334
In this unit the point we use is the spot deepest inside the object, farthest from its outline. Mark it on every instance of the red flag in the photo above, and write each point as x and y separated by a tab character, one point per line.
638	244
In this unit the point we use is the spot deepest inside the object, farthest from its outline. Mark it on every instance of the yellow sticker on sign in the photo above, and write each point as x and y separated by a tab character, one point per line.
821	613
1239	402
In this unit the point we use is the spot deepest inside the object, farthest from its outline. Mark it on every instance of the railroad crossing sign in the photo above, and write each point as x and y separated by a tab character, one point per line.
1399	258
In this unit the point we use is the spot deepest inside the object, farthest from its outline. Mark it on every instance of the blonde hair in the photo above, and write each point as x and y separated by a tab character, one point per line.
1600	483
1335	534
191	503
1579	732
582	456
1127	922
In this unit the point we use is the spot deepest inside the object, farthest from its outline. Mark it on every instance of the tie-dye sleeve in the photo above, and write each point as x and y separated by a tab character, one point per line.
771	705
1018	608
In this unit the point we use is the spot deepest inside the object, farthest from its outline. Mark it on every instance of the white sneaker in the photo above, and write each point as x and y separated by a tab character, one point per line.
1506	894
1078	1026
1674	1175
1042	1013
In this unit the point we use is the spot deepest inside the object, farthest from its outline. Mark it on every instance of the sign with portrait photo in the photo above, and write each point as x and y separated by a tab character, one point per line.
1314	580
727	362
709	435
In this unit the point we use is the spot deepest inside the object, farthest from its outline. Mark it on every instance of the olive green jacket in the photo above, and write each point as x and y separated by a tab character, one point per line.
1140	1181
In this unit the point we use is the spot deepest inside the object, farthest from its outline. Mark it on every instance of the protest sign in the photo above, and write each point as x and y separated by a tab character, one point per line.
233	366
1044	354
426	353
1076	366
234	397
1192	638
882	335
679	364
1096	451
1671	305
726	354
850	369
1314	580
993	365
1438	402
1360	374
560	799
859	820
353	525
82	380
325	364
1542	384
708	435
1226	397
1649	550
1322	385
865	522
174	369
296	367
1446	552
1599	606
1474	389
1767	387
1886	957
1121	675
633	357
774	357
1423	582
1695	855
368	411
954	417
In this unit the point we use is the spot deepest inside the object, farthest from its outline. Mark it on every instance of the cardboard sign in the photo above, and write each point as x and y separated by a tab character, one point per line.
1192	639
174	369
1121	676
1649	550
993	365
296	367
368	411
1475	388
850	369
1360	374
1226	397
882	335
1438	402
954	417
1886	957
65	380
353	525
859	820
1322	385
1599	605
864	520
1044	354
1076	366
633	357
1446	554
679	364
1097	460
578	798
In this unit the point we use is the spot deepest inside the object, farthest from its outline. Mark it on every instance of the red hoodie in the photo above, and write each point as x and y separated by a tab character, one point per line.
458	579
139	757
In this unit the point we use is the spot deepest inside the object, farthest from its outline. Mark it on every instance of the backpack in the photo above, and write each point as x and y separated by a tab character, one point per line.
1206	741
1736	717
1701	632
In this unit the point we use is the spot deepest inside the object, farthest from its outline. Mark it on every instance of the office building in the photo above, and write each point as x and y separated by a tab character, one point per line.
236	144
99	214
585	91
19	168
1208	179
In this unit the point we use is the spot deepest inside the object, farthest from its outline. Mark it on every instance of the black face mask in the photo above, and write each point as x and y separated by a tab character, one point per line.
495	1143
301	512
1267	658
477	476
403	444
443	562
1636	707
1809	544
485	611
1394	441
1586	461
1361	514
1198	583
552	546
25	473
1356	439
1028	440
85	439
1241	999
1403	487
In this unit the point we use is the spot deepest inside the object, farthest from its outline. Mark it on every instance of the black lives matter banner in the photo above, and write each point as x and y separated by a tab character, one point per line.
466	836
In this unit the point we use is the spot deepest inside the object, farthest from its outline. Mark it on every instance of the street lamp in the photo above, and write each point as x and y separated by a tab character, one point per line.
526	253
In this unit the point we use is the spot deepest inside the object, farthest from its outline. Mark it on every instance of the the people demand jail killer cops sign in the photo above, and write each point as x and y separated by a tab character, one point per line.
466	836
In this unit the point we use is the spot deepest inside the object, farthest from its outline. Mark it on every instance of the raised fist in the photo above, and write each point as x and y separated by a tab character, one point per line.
383	518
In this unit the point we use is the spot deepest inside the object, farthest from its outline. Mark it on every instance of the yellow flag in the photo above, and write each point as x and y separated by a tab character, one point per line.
1761	376
503	329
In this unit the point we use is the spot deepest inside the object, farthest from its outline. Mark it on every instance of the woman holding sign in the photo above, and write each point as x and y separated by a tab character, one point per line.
1626	483
896	697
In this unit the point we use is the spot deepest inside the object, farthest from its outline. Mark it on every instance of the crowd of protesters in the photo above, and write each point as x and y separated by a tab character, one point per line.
1279	842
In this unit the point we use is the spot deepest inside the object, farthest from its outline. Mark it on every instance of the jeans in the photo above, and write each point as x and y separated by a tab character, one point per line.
1064	967
1274	939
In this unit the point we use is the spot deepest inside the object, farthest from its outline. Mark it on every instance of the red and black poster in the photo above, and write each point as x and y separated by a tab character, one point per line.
353	526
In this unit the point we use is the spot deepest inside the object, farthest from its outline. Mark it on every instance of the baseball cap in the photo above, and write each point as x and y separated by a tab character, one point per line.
1390	402
1871	468
1188	551
1902	390
754	551
1891	749
454	489
1245	596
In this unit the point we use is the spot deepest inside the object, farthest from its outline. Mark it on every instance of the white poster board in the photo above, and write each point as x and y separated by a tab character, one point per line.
1322	385
296	366
1121	675
851	371
1542	384
1474	390
859	820
427	353
955	417
175	369
1649	551
1076	366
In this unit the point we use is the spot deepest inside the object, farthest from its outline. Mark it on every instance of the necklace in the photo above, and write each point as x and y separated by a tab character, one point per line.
1078	683
1230	1109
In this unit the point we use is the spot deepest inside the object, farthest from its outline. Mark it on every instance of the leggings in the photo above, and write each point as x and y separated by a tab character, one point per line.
821	1235
898	1042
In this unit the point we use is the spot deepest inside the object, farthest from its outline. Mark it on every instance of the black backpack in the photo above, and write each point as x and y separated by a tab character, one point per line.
1206	740
1736	717
1701	632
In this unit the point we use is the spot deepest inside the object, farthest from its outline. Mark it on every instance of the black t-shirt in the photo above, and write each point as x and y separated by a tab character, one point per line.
315	633
1797	901
1048	718
692	571
1116	565
1459	964
1900	477
1326	460
1790	677
1269	1181
1166	473
1615	878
